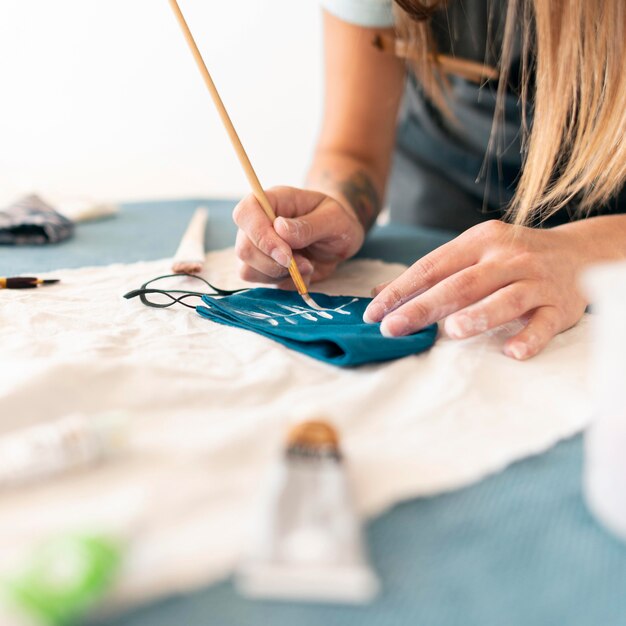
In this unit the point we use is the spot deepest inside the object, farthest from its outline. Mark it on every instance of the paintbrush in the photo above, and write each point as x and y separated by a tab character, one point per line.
253	179
25	282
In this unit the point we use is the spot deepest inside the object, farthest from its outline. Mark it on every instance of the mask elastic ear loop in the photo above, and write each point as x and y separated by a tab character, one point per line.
133	294
144	290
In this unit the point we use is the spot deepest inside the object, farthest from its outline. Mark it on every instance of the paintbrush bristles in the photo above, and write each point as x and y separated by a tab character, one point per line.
310	302
297	278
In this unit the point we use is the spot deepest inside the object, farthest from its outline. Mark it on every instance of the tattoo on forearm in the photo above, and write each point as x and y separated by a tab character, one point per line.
361	193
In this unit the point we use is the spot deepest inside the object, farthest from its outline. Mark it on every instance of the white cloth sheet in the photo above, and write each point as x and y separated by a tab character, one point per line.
209	406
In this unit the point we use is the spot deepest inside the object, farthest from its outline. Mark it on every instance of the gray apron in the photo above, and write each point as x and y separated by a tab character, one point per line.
442	174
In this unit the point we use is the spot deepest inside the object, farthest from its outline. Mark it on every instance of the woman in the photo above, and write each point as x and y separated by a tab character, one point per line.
549	170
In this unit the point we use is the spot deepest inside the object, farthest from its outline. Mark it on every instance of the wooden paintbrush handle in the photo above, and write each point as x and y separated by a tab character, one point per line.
253	179
223	113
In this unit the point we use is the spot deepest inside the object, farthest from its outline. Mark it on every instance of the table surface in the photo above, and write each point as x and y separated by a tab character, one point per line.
517	549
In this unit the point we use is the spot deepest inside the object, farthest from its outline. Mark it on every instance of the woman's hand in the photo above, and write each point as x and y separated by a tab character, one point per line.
491	274
314	228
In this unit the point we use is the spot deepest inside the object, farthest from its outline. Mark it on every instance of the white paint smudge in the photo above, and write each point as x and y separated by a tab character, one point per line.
298	312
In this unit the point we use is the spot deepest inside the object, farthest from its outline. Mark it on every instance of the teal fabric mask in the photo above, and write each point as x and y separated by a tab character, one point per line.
336	335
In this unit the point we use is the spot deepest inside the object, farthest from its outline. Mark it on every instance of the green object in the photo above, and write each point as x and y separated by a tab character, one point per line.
65	578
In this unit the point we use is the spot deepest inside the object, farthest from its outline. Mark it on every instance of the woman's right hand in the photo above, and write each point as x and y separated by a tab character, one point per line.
317	230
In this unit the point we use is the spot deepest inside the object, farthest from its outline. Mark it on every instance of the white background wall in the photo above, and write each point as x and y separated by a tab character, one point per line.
100	98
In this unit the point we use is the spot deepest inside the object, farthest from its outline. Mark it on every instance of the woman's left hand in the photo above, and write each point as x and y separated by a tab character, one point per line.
491	274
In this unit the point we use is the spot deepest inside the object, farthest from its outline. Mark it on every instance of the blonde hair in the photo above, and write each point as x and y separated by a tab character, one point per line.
575	146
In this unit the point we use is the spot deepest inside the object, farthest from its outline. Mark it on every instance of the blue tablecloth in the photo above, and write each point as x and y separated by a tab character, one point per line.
518	549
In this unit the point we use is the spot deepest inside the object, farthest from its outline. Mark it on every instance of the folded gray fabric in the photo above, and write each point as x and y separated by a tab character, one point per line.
30	221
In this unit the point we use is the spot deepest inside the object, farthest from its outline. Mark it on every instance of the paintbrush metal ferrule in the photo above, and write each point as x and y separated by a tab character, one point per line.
301	286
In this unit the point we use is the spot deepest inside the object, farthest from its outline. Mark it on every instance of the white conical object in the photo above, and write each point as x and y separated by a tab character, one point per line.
605	440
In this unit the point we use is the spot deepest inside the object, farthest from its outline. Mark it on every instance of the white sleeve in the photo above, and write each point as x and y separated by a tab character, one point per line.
369	13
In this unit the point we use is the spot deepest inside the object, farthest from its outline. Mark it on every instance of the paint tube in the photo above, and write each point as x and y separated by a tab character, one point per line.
307	543
46	450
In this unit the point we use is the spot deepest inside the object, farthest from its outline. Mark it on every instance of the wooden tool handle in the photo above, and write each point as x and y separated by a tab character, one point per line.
465	68
253	179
